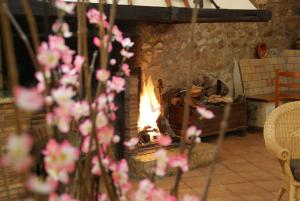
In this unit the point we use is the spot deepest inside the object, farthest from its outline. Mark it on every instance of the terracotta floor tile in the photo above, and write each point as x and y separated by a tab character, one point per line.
270	186
228	179
257	176
217	191
242	167
168	183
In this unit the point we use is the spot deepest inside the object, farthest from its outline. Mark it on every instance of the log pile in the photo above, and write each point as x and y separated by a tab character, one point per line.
206	90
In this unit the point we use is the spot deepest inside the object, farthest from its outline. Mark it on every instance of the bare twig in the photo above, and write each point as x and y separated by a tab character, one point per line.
23	37
32	24
186	111
10	58
223	128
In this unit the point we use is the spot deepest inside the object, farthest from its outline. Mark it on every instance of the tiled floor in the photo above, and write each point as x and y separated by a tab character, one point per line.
245	172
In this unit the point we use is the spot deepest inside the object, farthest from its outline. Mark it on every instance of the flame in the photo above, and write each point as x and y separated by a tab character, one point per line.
149	106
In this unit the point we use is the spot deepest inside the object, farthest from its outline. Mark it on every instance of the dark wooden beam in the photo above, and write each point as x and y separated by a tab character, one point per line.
159	14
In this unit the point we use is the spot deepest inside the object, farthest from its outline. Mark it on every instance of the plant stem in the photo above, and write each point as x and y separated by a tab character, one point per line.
23	37
32	24
10	59
223	128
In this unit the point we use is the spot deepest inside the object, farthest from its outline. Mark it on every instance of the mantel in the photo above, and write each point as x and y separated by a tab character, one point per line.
158	14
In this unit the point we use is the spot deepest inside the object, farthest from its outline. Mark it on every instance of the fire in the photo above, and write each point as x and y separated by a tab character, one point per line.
149	106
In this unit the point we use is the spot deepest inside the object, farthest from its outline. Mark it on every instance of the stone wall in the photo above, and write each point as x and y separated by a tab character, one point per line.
162	49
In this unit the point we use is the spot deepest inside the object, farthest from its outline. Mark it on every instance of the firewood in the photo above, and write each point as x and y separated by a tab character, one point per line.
175	101
196	91
164	126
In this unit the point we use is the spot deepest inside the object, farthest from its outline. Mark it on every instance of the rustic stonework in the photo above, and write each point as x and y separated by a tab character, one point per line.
162	49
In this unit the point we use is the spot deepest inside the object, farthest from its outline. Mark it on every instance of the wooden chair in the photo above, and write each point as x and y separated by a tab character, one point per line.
279	95
282	139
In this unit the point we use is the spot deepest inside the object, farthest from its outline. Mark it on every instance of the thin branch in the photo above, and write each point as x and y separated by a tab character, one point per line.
23	37
186	111
223	128
10	59
32	24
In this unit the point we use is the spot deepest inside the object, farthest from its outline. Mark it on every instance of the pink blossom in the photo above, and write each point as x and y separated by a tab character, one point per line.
65	7
60	159
179	161
96	166
116	84
41	81
113	62
78	62
97	42
143	192
102	75
18	152
63	197
161	195
131	143
94	16
61	117
63	95
127	43
193	133
101	120
80	109
205	113
105	99
29	99
62	28
69	79
125	69
105	135
38	185
117	33
48	58
161	162
190	198
57	43
164	140
67	55
126	54
120	176
86	127
85	144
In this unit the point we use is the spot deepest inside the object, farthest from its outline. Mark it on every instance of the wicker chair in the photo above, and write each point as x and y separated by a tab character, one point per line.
282	139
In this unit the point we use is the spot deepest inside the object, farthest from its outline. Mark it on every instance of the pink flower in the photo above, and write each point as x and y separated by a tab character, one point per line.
41	186
86	127
67	56
41	81
63	197
101	120
105	135
131	143
65	7
94	16
161	195
143	192
63	95
117	33
78	62
120	176
62	28
190	198
96	166
125	69
61	118
18	152
127	43
102	75
126	54
179	161
97	42
80	109
164	140
60	159
48	58
206	114
69	79
29	99
193	133
57	43
116	84
161	162
85	144
113	62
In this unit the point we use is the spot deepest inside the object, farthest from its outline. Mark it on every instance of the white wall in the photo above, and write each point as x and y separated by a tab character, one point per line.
226	4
